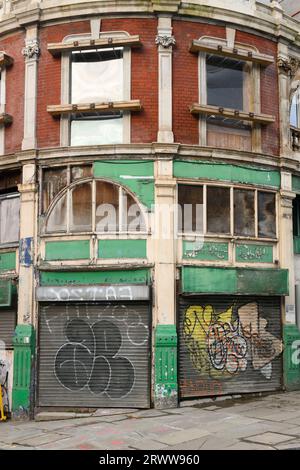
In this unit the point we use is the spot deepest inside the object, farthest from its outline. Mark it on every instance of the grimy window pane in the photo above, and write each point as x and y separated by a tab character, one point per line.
54	180
266	215
190	211
97	76
101	131
295	110
9	220
218	210
244	212
225	82
107	207
57	220
81	208
132	214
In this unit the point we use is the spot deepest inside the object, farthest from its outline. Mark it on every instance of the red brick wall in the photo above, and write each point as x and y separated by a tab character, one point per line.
13	45
185	78
49	81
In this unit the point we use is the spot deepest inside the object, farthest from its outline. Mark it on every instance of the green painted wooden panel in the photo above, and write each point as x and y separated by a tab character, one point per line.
291	357
137	175
8	261
225	172
5	292
207	251
136	276
166	383
297	245
296	184
122	249
235	280
251	253
67	250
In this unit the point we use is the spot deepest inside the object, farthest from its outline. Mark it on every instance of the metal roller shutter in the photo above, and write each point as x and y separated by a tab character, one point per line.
229	344
8	319
94	355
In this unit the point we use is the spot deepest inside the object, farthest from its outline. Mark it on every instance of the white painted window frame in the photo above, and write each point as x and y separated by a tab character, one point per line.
254	106
65	127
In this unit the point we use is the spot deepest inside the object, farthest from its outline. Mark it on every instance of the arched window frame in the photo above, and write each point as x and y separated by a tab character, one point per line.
121	227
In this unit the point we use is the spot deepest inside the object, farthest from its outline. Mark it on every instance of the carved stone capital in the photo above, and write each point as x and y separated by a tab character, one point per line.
165	41
31	49
288	65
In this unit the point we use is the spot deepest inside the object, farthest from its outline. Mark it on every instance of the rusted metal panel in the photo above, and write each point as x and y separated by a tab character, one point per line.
94	355
229	344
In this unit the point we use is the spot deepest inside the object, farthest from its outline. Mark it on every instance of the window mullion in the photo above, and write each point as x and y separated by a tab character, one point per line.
68	210
204	209
231	211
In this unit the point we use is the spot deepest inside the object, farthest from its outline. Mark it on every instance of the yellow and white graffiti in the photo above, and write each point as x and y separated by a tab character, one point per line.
220	346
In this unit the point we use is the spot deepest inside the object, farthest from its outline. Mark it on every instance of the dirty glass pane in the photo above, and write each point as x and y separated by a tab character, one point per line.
97	76
294	112
92	130
266	215
57	220
190	210
218	210
81	171
244	212
133	219
107	207
296	216
9	181
54	180
225	82
81	208
9	220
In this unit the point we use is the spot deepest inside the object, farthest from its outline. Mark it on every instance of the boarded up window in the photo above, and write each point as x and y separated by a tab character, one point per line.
9	219
223	135
244	212
190	214
54	180
266	215
218	210
107	207
57	221
81	208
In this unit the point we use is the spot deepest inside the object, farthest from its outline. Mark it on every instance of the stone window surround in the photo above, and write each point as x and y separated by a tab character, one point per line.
255	85
65	85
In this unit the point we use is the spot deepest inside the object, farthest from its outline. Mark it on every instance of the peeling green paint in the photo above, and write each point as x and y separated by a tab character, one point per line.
137	175
296	184
166	383
135	276
224	172
24	347
260	281
207	251
8	261
297	245
108	249
291	357
251	253
67	250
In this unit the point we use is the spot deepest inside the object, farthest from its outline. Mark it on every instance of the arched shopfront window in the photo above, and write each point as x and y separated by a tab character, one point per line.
95	206
295	109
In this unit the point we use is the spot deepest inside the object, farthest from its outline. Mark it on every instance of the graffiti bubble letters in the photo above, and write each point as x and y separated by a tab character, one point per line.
90	358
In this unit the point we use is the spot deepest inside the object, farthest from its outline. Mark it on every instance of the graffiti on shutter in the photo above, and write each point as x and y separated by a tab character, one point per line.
224	347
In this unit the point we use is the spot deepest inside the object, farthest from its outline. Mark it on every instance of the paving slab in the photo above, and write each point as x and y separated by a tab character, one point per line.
271	438
179	437
39	440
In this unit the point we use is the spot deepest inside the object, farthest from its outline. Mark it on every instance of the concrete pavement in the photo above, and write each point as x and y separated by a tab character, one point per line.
267	422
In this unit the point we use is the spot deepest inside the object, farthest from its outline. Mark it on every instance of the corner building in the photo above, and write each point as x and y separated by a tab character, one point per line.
139	107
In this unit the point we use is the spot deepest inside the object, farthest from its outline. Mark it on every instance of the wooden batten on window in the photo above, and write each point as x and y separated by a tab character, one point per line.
235	53
66	109
5	119
210	110
5	60
129	41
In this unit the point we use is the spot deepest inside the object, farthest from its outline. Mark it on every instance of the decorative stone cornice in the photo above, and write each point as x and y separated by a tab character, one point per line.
288	65
165	41
31	49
